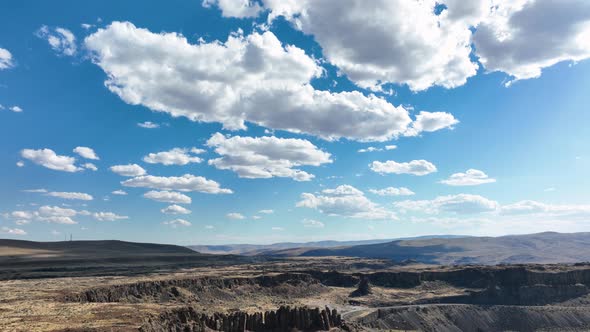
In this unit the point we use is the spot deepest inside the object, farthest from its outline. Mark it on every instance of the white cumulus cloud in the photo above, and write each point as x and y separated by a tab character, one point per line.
148	125
266	157
414	167
71	195
522	37
311	223
12	231
235	8
175	209
250	78
108	216
90	166
431	121
460	204
5	59
128	170
176	156
392	191
119	192
187	182
168	197
472	177
383	41
177	222
61	40
86	152
235	216
49	159
345	201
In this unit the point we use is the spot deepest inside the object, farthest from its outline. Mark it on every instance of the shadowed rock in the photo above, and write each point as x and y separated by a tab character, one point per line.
283	319
364	288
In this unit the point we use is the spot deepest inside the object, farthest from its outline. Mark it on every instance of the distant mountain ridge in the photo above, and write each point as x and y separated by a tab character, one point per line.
19	248
542	248
262	249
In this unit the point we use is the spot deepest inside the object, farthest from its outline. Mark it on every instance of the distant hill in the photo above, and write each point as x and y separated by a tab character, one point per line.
262	249
546	247
31	249
29	259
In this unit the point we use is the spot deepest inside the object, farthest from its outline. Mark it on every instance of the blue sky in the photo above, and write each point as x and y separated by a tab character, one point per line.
472	120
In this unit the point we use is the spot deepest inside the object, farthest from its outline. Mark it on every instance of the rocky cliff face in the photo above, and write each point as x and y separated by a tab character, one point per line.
184	289
462	317
514	285
283	319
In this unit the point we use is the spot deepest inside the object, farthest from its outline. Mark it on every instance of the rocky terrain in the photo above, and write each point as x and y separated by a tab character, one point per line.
285	294
282	319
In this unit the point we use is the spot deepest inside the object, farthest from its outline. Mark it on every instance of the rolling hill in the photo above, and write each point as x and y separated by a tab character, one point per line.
29	259
262	249
546	247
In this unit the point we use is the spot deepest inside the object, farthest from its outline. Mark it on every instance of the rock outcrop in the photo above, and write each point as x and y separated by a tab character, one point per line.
163	290
284	319
364	288
464	317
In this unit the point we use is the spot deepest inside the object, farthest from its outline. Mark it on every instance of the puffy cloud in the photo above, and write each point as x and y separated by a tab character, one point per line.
20	163
176	156
187	182
267	211
390	147
310	223
472	177
71	195
15	109
119	192
5	59
49	159
522	37
431	121
168	197
108	216
235	216
55	214
266	157
59	215
519	38
209	227
12	231
460	204
369	149
414	167
235	8
540	209
384	41
392	191
61	40
247	78
128	170
175	209
177	222
86	152
90	166
345	201
148	125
